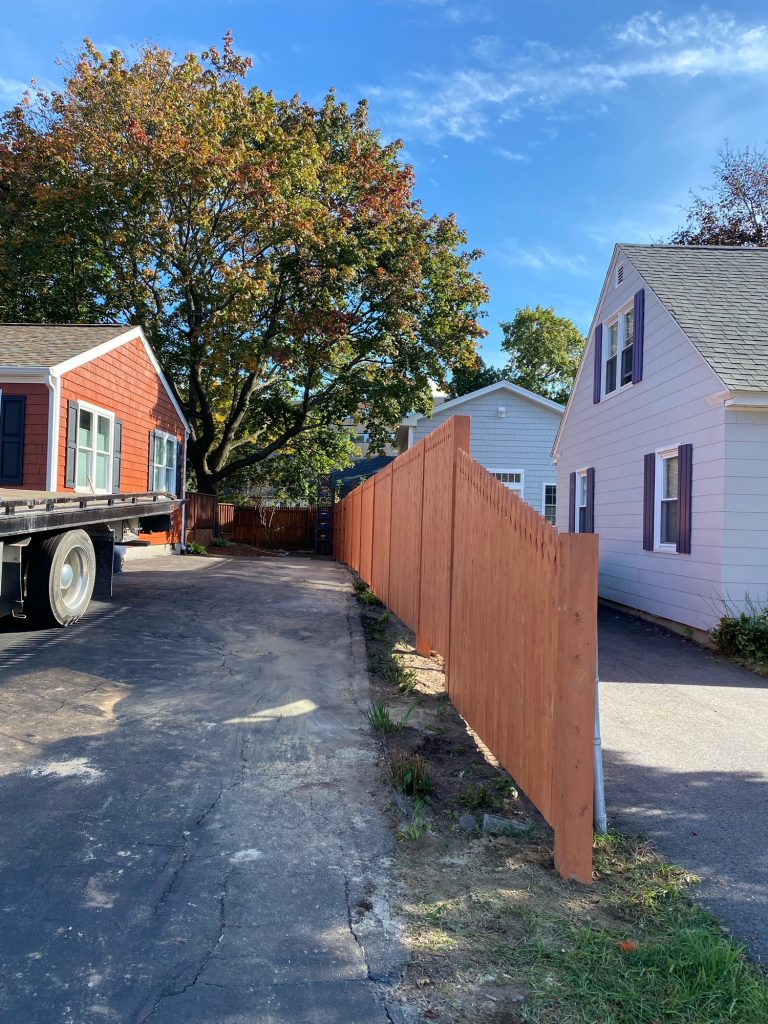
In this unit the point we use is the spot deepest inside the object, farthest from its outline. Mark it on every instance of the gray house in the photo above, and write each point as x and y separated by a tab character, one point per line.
663	449
512	432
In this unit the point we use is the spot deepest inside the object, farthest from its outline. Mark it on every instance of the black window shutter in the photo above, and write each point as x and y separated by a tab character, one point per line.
12	409
649	500
117	455
639	337
179	468
572	505
152	439
685	488
598	347
70	469
590	515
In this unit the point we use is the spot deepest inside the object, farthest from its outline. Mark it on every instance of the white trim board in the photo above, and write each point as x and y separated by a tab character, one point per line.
506	385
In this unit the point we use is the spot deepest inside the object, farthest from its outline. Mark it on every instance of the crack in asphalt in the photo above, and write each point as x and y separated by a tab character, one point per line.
170	989
189	834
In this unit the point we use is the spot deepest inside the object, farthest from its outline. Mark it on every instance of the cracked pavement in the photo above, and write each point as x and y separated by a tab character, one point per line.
194	828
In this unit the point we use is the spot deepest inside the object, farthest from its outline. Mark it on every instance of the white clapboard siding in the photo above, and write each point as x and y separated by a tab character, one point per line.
521	440
668	407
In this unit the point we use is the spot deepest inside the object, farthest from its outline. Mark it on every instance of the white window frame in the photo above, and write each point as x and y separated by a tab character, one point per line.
581	490
518	489
658	490
544	486
619	319
95	411
165	437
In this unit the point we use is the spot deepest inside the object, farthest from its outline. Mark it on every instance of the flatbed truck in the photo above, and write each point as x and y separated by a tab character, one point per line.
57	550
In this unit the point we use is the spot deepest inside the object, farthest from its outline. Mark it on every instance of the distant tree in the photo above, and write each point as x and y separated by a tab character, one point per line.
272	250
734	209
472	377
543	350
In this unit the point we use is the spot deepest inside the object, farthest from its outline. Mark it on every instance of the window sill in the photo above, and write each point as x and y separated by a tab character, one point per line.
618	391
666	549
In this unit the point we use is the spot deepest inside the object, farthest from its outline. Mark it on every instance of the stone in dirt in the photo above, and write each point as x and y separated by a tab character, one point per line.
468	822
499	826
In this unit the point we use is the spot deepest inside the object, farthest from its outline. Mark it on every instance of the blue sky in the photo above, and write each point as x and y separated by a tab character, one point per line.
552	128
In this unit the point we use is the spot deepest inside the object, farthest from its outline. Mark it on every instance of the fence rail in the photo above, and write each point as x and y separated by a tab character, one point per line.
269	527
508	602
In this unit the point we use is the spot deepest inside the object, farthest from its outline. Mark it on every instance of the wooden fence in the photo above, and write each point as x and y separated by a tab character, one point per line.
511	605
290	529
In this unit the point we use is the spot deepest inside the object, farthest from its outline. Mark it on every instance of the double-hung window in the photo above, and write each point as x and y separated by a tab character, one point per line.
164	472
581	501
668	494
618	351
94	449
549	503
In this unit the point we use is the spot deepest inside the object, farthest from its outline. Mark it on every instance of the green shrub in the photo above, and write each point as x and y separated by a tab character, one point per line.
743	634
193	548
380	719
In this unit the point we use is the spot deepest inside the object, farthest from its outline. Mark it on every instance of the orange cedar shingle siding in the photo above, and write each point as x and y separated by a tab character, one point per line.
124	382
35	432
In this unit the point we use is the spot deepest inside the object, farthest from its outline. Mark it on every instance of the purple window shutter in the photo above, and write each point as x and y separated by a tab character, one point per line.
598	347
684	493
590	526
638	343
572	505
649	501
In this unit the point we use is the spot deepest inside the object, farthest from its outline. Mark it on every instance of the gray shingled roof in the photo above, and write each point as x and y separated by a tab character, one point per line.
719	296
50	344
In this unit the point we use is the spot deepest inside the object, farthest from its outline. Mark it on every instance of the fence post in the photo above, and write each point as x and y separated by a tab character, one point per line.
422	645
460	441
575	665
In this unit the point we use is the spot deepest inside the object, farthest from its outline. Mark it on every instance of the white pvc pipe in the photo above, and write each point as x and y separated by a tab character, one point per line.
601	816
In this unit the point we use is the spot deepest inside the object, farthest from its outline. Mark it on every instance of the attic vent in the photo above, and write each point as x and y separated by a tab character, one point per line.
619	275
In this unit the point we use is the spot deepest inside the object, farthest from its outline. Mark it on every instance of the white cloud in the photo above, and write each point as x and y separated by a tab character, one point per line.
465	102
540	258
508	154
11	91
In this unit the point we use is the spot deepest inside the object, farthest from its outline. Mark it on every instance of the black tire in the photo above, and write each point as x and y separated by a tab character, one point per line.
60	579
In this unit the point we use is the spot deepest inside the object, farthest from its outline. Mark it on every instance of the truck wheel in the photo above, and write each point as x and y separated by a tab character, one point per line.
61	576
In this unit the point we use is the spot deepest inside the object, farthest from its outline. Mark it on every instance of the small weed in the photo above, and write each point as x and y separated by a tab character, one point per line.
360	586
407	716
375	629
220	542
477	797
409	774
368	597
380	719
415	830
193	548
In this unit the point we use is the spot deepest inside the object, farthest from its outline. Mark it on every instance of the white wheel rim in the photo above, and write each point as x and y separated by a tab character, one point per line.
73	580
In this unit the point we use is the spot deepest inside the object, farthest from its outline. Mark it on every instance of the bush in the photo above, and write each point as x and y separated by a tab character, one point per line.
743	634
410	775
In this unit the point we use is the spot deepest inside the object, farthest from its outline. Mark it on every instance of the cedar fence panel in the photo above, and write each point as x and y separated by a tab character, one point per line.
227	519
201	514
508	602
291	529
382	519
405	535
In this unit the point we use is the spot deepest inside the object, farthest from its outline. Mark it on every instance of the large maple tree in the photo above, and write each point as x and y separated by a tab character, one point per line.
273	251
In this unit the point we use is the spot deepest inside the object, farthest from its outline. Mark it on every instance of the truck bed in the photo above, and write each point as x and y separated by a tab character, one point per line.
25	512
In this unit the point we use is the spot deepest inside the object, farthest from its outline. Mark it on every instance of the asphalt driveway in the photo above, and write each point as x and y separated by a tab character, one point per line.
192	821
685	739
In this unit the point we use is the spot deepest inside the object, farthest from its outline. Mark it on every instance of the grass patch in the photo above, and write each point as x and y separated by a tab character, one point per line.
666	961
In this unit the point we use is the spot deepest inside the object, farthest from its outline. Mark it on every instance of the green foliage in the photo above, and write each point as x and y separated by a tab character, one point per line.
478	797
409	774
414	830
273	251
220	542
544	352
193	548
744	634
472	377
380	719
368	597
